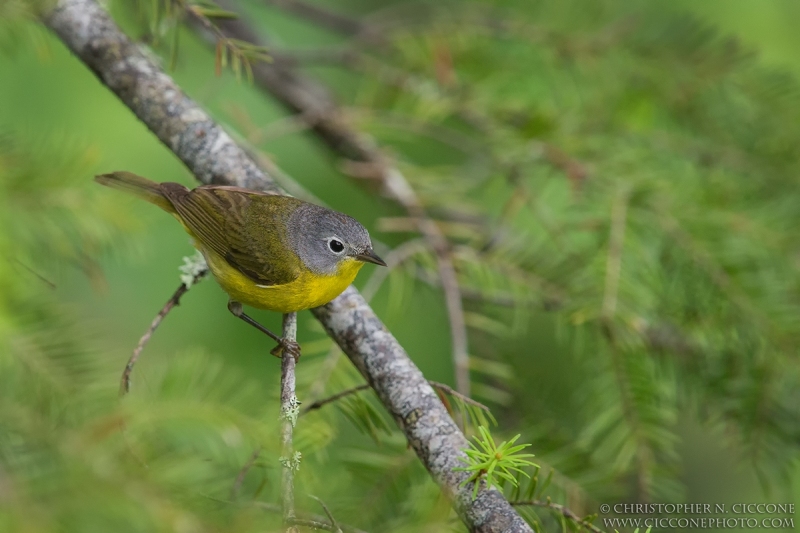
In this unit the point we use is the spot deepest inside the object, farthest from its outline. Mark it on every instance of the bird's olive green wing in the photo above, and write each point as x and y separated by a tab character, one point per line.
244	227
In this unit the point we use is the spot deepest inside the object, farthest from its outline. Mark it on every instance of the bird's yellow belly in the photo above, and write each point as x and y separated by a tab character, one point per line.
307	291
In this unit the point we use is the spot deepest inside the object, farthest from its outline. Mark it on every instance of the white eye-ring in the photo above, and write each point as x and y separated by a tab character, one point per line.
335	245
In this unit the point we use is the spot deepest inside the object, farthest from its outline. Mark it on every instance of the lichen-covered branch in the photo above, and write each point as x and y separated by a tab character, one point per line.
211	154
174	301
416	408
290	459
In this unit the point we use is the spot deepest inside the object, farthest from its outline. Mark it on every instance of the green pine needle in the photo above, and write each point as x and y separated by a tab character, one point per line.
485	459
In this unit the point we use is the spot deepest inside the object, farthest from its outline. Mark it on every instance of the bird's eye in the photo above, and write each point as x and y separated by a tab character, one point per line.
336	246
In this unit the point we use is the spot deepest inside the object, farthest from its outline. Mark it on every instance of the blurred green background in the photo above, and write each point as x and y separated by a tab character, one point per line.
167	471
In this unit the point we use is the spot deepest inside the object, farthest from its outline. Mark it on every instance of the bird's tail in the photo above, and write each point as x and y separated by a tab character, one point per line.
141	187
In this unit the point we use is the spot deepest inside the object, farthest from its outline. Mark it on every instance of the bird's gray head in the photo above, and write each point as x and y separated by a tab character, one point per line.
323	238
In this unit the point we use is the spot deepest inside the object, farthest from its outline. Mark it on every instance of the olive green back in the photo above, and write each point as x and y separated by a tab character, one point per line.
247	228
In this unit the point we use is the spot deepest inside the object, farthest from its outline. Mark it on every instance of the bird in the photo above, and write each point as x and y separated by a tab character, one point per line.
265	250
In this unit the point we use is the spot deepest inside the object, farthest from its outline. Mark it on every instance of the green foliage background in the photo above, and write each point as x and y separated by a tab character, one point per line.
536	132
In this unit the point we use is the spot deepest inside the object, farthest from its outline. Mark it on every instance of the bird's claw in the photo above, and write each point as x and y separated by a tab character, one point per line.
287	346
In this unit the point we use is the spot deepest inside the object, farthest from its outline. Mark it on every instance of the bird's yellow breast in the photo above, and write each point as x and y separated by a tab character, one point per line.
307	291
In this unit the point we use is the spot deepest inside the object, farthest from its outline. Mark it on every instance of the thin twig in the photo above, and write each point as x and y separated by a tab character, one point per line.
619	211
305	519
394	259
318	56
325	18
315	524
335	527
338	396
328	366
224	44
614	259
276	129
565	511
289	406
125	381
33	272
452	392
365	386
243	472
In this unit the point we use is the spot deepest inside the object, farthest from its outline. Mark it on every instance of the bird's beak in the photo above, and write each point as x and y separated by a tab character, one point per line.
370	257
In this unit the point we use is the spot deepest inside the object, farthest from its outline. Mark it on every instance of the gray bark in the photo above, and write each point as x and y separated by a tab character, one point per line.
213	157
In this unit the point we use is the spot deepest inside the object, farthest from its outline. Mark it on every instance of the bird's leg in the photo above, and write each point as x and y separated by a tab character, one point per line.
284	345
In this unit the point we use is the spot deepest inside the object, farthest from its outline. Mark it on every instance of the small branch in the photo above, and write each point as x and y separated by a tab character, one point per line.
315	524
365	386
394	259
575	170
224	45
619	211
324	18
661	336
279	128
327	56
237	485
289	410
305	519
566	512
31	271
175	299
334	526
338	396
452	392
328	366
614	260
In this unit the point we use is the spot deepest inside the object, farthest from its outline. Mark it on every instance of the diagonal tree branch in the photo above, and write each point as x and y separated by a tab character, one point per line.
187	130
175	300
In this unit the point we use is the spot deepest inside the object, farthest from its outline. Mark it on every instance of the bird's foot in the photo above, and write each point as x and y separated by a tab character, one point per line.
286	346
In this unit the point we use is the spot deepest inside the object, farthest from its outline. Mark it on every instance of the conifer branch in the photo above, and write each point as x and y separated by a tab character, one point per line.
315	524
213	157
447	389
338	396
311	520
175	300
565	511
237	484
322	17
616	238
619	211
240	54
